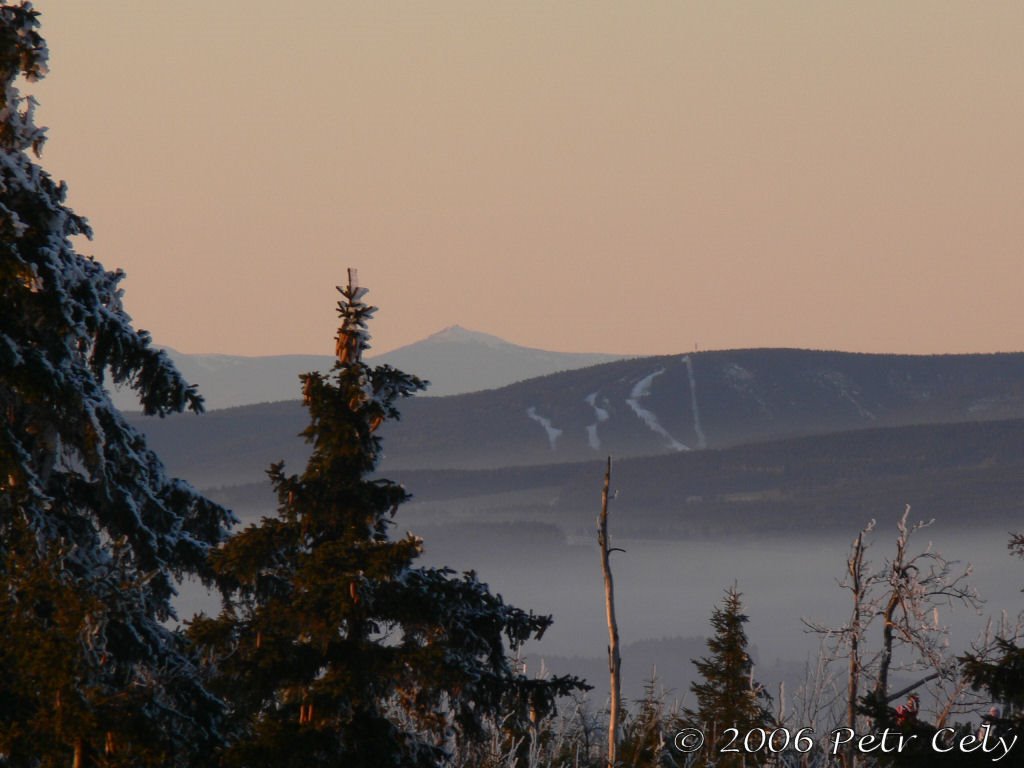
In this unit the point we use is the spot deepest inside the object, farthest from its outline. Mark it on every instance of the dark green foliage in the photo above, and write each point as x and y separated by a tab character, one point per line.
728	697
332	648
1002	677
1001	674
92	533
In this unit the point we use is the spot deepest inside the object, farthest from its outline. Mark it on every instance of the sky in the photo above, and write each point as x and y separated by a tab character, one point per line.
638	178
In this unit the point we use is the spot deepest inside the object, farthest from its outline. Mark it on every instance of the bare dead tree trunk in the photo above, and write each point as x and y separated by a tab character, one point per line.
905	596
858	586
898	585
79	753
614	662
885	661
855	566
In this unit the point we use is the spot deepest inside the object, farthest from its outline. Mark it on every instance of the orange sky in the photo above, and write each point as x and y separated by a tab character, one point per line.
588	176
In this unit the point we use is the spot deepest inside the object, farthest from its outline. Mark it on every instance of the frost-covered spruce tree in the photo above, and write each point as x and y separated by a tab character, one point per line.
92	532
332	647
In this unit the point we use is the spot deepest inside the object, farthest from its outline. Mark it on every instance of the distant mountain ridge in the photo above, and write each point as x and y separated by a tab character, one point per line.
680	403
638	407
454	360
228	381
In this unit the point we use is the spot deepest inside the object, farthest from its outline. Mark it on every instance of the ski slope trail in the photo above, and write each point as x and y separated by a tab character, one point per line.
702	441
550	430
641	390
602	415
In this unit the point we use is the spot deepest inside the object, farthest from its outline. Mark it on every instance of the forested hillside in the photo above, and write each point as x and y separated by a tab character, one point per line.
969	475
639	407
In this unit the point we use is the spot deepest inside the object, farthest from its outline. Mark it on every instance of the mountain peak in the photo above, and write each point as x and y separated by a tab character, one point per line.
456	333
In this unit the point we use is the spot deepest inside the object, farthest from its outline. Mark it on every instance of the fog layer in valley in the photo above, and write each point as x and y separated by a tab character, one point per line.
670	588
667	590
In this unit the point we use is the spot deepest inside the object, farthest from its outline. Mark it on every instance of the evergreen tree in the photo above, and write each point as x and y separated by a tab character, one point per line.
1001	673
647	735
92	532
332	648
729	697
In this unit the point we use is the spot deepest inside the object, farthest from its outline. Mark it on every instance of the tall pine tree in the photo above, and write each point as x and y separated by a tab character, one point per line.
729	697
92	533
333	648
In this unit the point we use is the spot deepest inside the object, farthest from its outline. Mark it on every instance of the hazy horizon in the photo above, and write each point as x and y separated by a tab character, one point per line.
599	177
377	352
